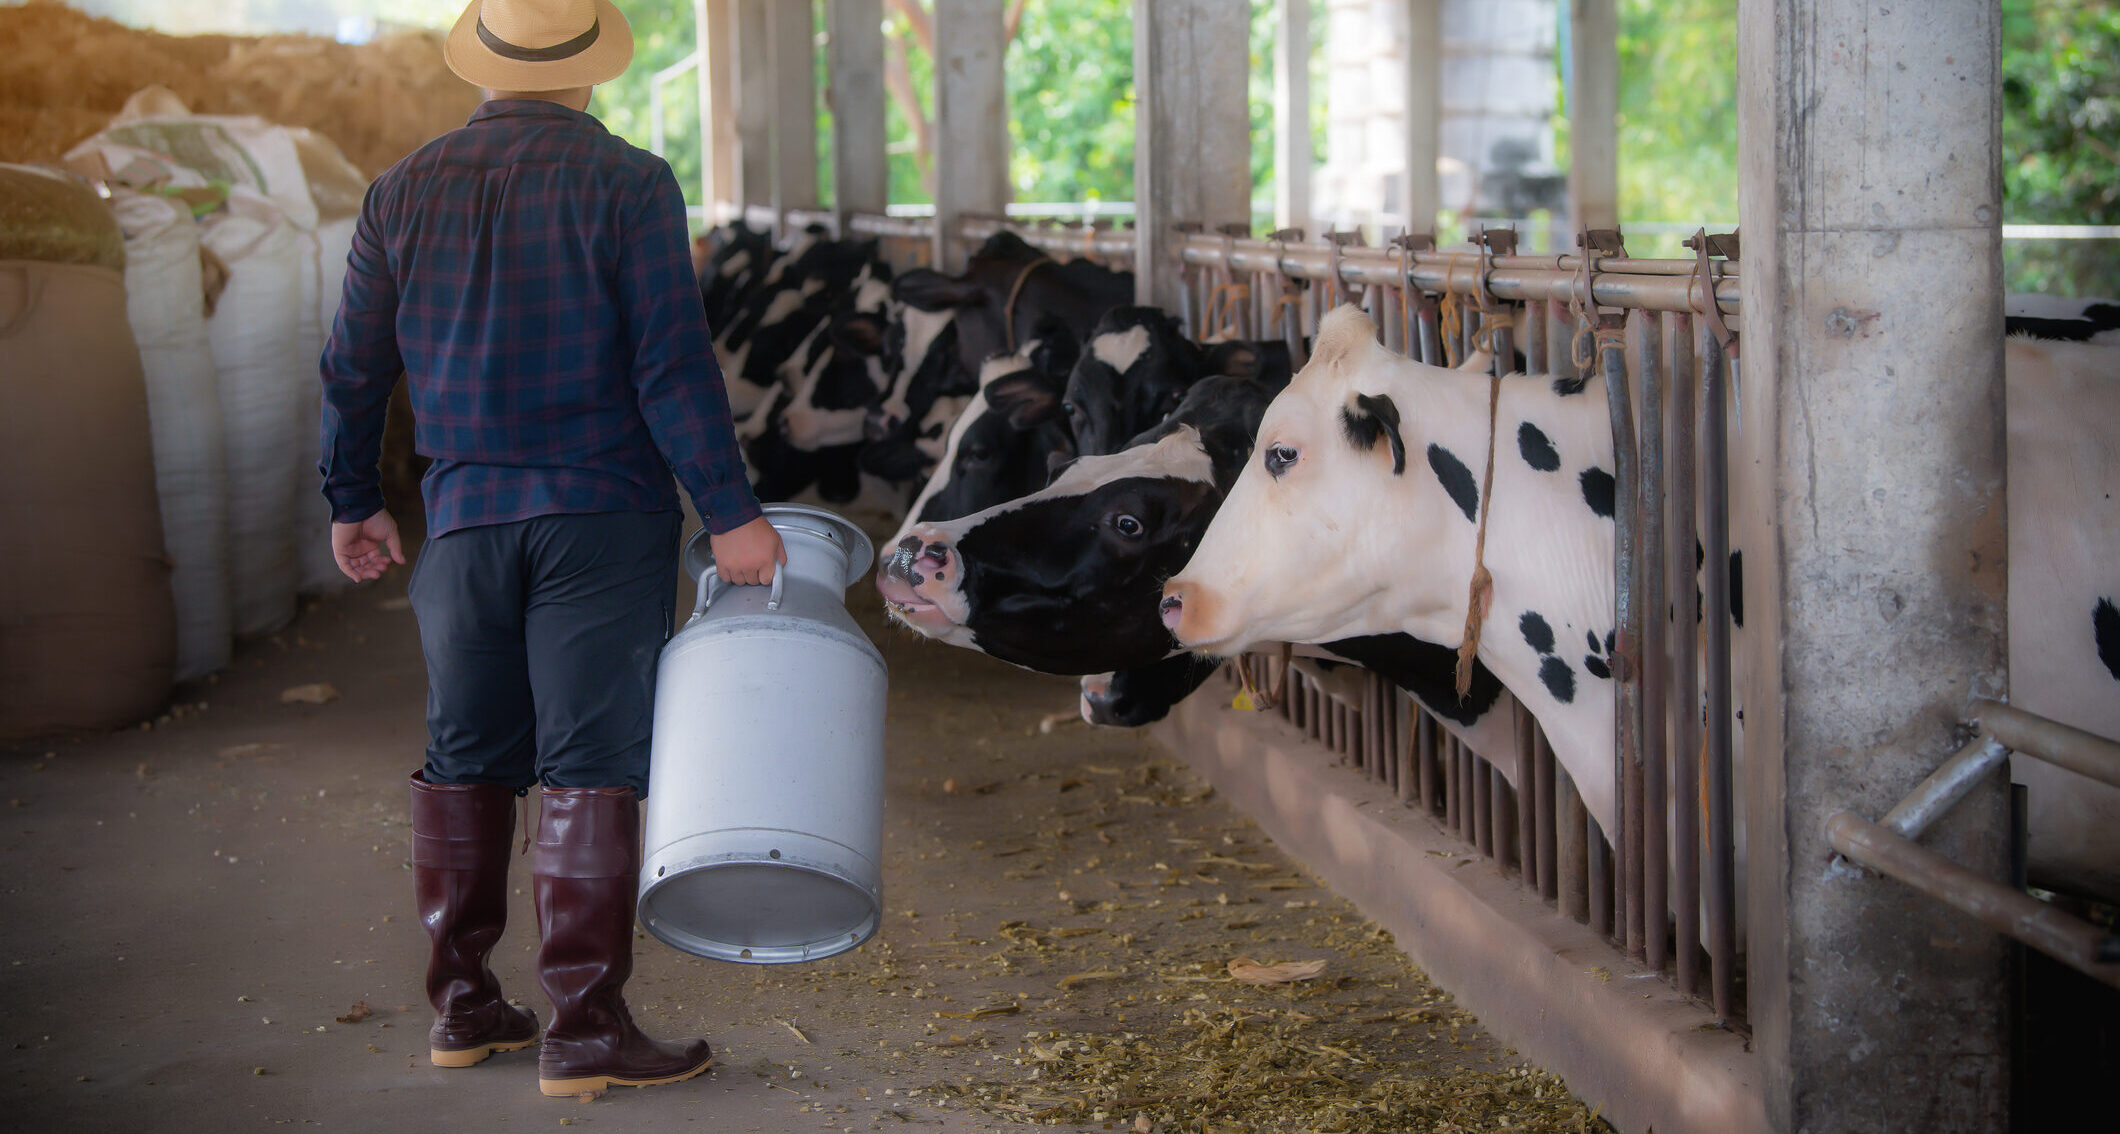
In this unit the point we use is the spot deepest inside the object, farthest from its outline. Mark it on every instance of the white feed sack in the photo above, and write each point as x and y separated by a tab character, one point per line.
254	332
164	302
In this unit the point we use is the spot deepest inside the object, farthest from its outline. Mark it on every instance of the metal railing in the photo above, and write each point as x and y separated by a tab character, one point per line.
1668	873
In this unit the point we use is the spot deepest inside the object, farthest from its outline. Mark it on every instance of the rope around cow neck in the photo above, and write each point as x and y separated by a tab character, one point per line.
1008	313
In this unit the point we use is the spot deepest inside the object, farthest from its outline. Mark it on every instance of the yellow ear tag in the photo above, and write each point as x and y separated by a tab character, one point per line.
1243	703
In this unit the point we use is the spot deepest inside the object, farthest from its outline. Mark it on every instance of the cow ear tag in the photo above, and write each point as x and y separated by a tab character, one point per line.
1243	702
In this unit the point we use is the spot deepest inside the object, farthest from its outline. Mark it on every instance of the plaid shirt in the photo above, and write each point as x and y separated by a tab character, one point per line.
530	275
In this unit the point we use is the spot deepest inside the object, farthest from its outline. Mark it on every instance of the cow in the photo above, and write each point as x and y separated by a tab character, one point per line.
796	293
1007	288
740	257
2060	319
1006	439
1360	511
1136	367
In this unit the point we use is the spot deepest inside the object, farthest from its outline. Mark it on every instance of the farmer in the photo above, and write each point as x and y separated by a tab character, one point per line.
529	275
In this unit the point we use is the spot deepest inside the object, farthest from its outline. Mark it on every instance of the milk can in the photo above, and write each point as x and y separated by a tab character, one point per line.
765	805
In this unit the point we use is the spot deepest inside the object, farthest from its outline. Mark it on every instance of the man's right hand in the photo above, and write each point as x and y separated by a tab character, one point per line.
748	555
363	549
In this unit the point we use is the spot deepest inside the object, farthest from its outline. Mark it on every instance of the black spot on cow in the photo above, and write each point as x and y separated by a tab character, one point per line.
1558	678
1537	448
1599	660
1598	491
1373	417
1569	387
1456	480
1537	634
2105	624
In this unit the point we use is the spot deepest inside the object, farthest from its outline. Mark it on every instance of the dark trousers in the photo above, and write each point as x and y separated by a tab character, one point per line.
541	638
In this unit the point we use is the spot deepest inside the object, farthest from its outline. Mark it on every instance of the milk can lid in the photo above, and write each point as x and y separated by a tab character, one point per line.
789	519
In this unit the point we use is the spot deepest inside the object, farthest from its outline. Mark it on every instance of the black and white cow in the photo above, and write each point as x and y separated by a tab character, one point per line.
1136	367
2057	318
1362	434
739	259
796	293
1009	287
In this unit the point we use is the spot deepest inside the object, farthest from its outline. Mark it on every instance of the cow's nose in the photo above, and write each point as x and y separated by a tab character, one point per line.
1173	607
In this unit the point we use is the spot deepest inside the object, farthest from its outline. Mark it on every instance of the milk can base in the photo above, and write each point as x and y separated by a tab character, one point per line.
759	912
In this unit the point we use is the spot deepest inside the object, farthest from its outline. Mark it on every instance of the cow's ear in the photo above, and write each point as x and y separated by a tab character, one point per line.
1056	349
1235	358
1026	398
1370	417
863	333
930	290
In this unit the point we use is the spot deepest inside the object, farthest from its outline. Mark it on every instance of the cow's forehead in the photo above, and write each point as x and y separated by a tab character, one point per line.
1181	454
921	329
872	295
1121	349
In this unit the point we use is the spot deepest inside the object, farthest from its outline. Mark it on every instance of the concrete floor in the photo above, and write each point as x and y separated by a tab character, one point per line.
191	908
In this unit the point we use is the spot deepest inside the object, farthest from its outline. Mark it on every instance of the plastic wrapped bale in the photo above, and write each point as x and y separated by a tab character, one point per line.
165	305
257	363
90	634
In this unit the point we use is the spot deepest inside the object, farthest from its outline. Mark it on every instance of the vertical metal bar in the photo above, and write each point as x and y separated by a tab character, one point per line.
1560	340
1600	879
1431	332
1431	766
1572	824
1685	683
1408	781
1547	835
1626	651
1536	337
1501	818
1526	796
1721	880
1477	771
1451	795
1653	617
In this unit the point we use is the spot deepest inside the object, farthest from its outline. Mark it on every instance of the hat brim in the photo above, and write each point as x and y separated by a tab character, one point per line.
603	61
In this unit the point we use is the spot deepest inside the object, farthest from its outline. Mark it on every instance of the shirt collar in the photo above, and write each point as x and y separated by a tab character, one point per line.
531	108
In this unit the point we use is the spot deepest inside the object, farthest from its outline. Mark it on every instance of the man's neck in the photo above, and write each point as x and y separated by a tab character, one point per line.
573	98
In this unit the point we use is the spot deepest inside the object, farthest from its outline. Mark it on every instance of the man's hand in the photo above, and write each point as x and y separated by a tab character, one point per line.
363	550
748	555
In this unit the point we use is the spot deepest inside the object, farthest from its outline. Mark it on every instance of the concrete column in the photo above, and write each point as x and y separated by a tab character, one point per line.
792	43
971	120
715	26
1291	116
754	103
860	170
1424	112
1868	482
1192	137
1593	113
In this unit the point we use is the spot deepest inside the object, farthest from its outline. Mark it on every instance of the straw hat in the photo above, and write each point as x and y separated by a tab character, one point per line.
539	45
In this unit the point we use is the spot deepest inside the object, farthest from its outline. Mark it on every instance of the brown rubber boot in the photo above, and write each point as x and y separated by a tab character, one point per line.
586	869
460	836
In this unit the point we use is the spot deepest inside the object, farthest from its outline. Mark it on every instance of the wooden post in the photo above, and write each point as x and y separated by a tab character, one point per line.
860	171
792	42
1874	539
971	120
1593	113
1291	117
754	104
1424	112
1192	132
713	26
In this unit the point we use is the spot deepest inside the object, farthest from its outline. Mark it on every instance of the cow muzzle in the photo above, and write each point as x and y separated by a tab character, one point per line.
1189	612
919	584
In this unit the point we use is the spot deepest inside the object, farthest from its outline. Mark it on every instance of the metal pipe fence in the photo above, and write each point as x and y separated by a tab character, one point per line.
1661	887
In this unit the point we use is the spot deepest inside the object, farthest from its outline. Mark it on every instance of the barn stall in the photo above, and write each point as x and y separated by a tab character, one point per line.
1551	942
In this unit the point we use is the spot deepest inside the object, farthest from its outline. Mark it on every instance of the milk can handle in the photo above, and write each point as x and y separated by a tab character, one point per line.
708	585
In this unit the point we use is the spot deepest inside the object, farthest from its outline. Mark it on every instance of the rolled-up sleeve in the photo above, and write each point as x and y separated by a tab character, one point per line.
360	365
675	375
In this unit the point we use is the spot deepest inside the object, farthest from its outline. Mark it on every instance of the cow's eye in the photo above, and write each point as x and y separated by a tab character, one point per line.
1072	409
1279	458
1127	526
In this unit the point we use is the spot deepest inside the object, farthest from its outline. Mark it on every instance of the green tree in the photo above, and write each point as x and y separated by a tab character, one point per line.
662	35
2061	140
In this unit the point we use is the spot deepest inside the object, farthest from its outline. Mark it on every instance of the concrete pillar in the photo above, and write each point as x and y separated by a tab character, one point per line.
792	43
754	103
971	120
860	170
1868	476
1192	136
1593	113
1291	116
1424	112
715	26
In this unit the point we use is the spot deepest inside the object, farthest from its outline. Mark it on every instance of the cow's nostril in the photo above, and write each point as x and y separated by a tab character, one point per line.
936	553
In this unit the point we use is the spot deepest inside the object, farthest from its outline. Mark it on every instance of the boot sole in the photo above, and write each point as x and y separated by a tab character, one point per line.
568	1088
472	1056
